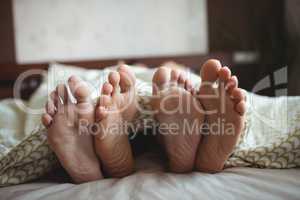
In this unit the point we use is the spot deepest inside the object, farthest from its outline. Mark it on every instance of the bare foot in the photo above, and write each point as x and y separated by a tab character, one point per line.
68	134
180	118
115	111
225	108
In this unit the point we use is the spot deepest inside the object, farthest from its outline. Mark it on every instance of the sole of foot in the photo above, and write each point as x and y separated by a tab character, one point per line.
225	107
116	110
67	136
177	113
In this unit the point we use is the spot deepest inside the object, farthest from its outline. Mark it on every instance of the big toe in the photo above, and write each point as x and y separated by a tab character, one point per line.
81	93
210	70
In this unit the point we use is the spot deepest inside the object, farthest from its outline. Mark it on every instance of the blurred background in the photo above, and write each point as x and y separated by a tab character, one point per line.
257	39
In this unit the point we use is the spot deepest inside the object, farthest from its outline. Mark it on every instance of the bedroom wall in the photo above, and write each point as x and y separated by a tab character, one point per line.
76	30
292	19
251	27
7	45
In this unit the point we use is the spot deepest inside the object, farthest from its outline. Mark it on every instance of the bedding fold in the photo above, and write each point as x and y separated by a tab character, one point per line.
271	138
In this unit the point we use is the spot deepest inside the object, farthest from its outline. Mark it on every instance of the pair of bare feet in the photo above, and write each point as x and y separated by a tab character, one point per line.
91	140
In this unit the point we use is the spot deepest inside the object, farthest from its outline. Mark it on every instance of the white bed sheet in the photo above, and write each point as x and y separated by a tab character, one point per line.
152	183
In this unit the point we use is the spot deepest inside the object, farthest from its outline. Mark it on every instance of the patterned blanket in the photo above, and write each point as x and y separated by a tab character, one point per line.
271	138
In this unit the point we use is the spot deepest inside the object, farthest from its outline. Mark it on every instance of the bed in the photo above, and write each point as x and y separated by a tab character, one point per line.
150	180
234	183
262	33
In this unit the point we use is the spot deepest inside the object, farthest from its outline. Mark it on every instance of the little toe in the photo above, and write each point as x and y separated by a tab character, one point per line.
46	120
241	107
210	70
127	78
107	89
160	78
224	74
79	89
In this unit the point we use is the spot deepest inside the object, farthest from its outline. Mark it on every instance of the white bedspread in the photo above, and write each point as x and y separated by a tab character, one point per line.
233	183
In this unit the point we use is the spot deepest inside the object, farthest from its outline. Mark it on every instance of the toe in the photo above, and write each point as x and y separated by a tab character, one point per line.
182	79
62	92
46	120
104	101
175	75
114	80
101	113
79	89
231	84
241	107
188	85
84	107
237	95
160	78
50	107
107	89
127	78
225	74
210	70
55	99
194	91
